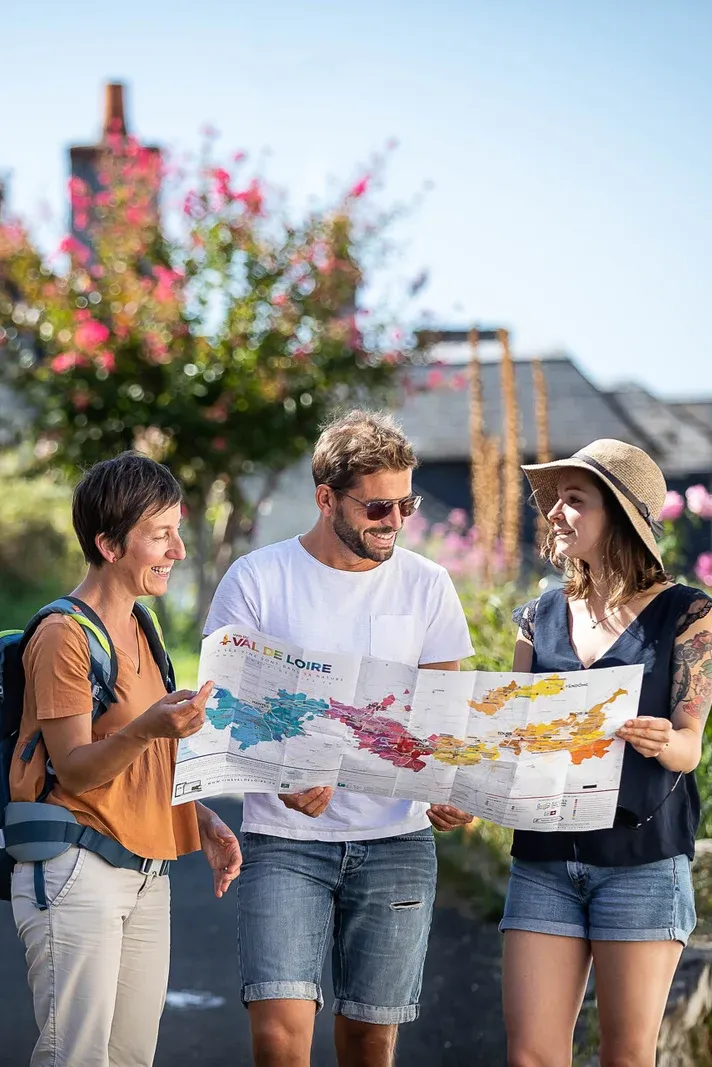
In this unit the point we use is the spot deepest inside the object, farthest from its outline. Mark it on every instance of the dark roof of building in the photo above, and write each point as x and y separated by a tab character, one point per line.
698	412
678	442
436	416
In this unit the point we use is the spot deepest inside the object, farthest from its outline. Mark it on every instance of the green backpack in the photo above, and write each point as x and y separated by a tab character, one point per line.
40	836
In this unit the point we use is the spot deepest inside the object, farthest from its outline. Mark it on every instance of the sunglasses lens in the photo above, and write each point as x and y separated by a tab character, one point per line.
409	506
378	509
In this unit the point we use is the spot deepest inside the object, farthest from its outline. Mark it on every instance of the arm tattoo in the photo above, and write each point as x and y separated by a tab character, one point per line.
692	676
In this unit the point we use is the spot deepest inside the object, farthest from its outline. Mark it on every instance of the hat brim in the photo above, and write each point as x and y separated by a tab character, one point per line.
544	480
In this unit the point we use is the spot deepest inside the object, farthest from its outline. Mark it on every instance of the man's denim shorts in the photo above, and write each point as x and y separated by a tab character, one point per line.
650	902
377	896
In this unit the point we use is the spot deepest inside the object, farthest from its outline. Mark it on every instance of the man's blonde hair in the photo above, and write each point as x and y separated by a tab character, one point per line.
359	443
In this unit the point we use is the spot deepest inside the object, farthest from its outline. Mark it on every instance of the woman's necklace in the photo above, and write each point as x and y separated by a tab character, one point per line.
597	622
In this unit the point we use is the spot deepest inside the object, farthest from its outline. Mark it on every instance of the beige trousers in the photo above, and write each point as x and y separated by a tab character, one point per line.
97	959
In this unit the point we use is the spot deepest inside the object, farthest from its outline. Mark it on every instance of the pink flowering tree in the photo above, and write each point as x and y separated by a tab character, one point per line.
219	349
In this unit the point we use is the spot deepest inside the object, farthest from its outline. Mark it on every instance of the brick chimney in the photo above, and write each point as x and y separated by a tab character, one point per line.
114	117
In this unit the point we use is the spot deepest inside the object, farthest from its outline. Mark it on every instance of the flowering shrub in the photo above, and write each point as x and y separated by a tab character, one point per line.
219	349
488	601
694	507
455	544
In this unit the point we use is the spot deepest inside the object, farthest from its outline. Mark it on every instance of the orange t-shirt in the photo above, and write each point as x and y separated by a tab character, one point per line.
135	807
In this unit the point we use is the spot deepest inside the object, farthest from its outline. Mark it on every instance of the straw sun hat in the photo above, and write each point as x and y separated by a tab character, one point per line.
633	477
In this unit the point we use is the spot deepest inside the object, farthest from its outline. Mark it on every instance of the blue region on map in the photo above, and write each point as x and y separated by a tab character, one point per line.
283	717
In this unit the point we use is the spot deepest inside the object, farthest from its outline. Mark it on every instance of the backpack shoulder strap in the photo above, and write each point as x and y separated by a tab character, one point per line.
148	621
102	655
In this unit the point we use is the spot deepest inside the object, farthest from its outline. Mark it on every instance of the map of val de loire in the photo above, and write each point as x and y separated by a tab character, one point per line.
531	751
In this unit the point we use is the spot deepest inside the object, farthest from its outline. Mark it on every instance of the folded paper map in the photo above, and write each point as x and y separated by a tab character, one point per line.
532	751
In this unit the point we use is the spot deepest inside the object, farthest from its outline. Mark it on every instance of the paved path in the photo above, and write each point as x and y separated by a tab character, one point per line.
460	1023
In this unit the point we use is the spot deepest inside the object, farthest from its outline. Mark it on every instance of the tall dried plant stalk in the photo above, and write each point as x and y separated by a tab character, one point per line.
511	473
484	465
491	493
477	429
541	420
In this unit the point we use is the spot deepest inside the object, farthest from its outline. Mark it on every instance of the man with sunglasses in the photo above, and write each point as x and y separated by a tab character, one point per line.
362	866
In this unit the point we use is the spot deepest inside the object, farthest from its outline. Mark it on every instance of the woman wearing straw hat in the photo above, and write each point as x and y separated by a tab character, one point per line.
620	899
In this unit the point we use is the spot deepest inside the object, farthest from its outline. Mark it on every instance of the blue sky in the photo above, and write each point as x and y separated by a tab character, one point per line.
567	143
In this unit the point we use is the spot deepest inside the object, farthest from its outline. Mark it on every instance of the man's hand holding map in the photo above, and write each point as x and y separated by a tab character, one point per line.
529	751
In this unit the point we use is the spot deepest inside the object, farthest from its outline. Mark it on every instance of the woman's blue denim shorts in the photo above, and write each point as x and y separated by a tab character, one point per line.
650	902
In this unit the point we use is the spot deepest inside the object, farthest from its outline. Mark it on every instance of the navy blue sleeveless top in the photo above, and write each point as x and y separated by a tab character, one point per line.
650	640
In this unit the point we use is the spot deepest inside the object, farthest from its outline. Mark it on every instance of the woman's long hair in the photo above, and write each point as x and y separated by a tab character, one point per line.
628	566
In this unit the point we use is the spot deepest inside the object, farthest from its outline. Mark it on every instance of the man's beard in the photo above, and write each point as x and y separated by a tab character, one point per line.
356	542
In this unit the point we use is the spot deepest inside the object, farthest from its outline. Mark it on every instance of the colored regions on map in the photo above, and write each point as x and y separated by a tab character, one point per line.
284	716
458	753
495	700
384	737
581	734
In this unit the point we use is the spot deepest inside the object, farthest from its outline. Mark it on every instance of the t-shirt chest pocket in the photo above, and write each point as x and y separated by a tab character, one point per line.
396	638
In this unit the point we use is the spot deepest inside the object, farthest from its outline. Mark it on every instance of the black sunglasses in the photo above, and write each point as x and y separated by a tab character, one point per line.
631	821
378	509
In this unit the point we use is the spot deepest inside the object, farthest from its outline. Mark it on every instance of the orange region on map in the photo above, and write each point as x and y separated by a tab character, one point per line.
495	700
583	734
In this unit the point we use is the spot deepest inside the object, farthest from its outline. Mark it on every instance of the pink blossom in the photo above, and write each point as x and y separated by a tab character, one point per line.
458	381
72	247
434	379
699	501
193	205
703	568
209	131
239	157
458	518
279	300
673	507
77	187
416	528
136	215
13	233
166	280
90	334
252	197
221	178
66	361
106	361
81	220
454	543
360	187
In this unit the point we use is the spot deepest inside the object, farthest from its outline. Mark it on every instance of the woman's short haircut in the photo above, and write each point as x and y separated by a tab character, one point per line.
360	443
115	495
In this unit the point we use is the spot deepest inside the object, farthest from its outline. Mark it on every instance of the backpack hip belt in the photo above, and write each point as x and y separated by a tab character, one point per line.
35	832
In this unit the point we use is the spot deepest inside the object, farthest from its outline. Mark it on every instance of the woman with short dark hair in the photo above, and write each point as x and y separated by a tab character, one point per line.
95	917
619	898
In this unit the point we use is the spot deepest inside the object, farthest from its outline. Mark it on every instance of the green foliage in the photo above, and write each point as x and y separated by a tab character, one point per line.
489	615
39	555
704	783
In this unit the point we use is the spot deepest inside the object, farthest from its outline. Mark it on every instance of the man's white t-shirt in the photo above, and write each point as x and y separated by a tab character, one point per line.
406	609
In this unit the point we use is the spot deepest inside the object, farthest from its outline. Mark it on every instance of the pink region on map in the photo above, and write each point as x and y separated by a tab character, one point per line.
384	737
